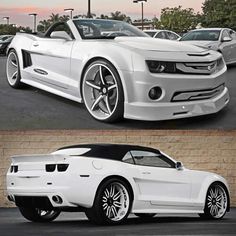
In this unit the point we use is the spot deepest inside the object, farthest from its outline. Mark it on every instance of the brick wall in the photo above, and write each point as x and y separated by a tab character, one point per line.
203	150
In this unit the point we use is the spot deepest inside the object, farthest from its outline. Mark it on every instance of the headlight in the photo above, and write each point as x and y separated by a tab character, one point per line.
161	66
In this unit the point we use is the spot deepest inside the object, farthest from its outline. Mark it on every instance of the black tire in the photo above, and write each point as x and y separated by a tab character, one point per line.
216	202
98	215
37	215
15	81
145	215
112	112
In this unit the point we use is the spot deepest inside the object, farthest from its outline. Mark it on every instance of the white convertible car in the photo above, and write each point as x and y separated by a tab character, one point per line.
123	73
108	181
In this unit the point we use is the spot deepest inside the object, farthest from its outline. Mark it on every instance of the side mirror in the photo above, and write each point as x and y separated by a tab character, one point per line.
60	35
226	39
179	165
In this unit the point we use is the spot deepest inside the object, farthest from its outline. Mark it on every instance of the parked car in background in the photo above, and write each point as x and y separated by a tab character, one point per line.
222	40
4	37
4	45
162	34
110	181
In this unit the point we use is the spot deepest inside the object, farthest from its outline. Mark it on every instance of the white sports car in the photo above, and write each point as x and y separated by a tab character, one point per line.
108	181
123	73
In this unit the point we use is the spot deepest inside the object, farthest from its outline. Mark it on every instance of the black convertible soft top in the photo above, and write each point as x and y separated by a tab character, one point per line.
110	151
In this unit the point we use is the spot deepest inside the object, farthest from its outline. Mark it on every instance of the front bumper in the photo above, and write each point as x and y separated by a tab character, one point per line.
139	106
168	111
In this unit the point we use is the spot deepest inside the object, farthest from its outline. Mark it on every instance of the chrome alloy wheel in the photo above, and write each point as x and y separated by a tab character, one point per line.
115	201
100	91
217	201
12	68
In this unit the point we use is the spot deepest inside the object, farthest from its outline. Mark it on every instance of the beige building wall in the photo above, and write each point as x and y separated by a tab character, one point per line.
213	151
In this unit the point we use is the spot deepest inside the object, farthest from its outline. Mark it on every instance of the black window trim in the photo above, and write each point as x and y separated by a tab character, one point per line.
160	155
52	27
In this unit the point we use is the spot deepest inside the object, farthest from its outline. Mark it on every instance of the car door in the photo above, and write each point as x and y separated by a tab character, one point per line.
161	35
160	182
228	48
172	36
52	58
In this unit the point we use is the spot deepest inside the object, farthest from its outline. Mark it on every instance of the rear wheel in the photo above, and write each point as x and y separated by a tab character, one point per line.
112	203
13	70
38	215
216	202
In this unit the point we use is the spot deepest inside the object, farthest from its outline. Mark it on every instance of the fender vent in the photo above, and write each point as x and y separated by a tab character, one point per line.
26	59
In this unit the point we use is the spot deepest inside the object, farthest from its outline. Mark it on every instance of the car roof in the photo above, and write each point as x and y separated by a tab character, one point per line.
203	29
154	30
109	151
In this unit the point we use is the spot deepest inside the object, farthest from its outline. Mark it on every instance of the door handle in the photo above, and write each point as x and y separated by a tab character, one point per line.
35	44
146	173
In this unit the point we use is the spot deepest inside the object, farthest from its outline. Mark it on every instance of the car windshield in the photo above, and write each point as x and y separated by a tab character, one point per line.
106	29
202	35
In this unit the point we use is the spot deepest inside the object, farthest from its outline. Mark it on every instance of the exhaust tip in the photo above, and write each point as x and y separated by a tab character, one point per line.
57	199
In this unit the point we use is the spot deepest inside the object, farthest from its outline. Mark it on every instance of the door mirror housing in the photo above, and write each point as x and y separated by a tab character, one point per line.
226	39
60	35
179	165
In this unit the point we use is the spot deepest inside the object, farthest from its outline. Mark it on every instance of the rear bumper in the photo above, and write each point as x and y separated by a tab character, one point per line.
30	195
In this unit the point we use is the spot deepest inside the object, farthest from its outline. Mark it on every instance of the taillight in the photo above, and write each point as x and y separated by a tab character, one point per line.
14	169
60	167
50	167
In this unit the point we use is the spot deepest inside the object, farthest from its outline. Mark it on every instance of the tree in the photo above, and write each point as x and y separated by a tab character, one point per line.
219	13
117	15
102	16
11	29
43	25
177	19
53	18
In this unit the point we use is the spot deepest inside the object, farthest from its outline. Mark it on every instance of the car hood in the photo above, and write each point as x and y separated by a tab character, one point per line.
151	44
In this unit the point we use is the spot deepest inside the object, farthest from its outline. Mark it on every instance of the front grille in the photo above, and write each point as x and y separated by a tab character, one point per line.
197	94
202	68
33	202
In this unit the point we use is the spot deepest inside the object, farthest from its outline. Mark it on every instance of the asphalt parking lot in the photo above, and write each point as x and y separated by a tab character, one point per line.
12	223
31	108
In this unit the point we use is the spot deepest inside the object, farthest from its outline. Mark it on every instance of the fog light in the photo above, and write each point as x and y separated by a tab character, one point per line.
155	93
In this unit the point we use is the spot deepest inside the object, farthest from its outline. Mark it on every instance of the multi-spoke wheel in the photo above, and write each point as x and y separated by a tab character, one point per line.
216	202
13	70
102	91
112	203
38	215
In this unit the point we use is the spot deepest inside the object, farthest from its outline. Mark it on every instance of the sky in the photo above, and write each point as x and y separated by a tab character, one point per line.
18	10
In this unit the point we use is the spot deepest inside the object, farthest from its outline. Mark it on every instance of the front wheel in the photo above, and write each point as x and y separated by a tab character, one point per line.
38	215
13	70
102	91
112	203
216	202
